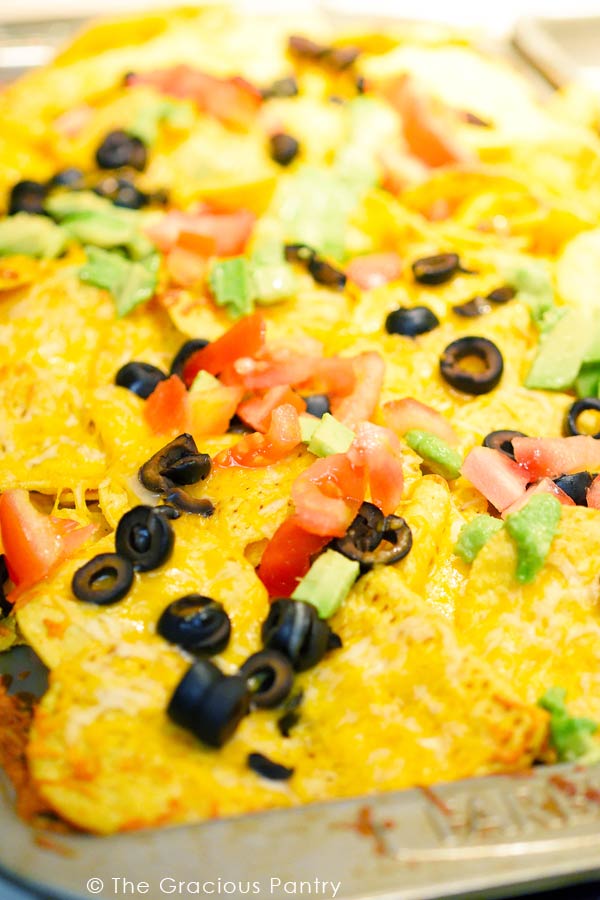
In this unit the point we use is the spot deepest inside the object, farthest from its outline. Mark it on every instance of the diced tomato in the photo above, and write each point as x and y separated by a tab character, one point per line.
74	120
245	338
287	558
185	268
374	270
400	169
205	232
359	406
33	542
256	412
593	494
232	100
328	495
211	411
324	375
167	408
407	413
379	451
427	126
332	375
496	476
258	450
551	457
545	486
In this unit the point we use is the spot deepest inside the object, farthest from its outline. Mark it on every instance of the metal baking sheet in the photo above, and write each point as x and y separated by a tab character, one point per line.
562	49
488	837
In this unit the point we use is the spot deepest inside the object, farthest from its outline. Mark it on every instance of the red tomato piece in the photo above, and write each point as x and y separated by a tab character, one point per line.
332	375
496	476
359	406
407	413
185	268
545	486
245	338
167	407
328	495
593	494
287	558
205	232
33	542
379	451
374	270
427	126
258	450
271	370
212	411
551	457
256	412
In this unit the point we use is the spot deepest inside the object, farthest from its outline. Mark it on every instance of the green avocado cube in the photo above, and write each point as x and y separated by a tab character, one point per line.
439	456
533	529
474	535
561	353
328	582
330	436
30	235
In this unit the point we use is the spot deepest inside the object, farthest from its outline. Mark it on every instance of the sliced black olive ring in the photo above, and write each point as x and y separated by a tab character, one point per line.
209	704
28	197
317	405
153	474
575	410
502	441
282	87
462	378
299	253
198	506
576	486
5	606
269	677
284	148
502	294
411	321
295	629
197	623
184	353
326	274
436	269
477	306
266	768
105	579
120	149
375	539
145	537
140	378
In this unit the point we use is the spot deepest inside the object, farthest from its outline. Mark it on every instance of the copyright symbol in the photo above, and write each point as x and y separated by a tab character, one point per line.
95	885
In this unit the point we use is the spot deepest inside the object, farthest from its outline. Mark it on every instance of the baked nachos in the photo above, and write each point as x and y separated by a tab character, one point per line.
299	397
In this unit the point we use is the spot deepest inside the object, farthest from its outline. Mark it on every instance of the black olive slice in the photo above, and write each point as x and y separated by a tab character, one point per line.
5	606
295	629
209	704
184	353
28	197
188	469
120	149
140	378
284	148
236	426
473	119
436	269
299	253
198	506
341	58
105	579
145	537
70	177
317	405
477	306
303	46
197	623
291	715
266	768
152	473
282	87
411	321
575	410
502	441
128	196
576	486
326	274
269	676
169	511
462	378
502	294
378	541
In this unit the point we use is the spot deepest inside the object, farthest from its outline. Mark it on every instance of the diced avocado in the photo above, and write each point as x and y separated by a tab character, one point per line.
30	235
561	353
439	456
532	529
204	381
99	229
531	279
474	535
330	436
273	283
130	283
231	285
328	582
146	123
308	426
588	380
570	736
592	354
69	203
